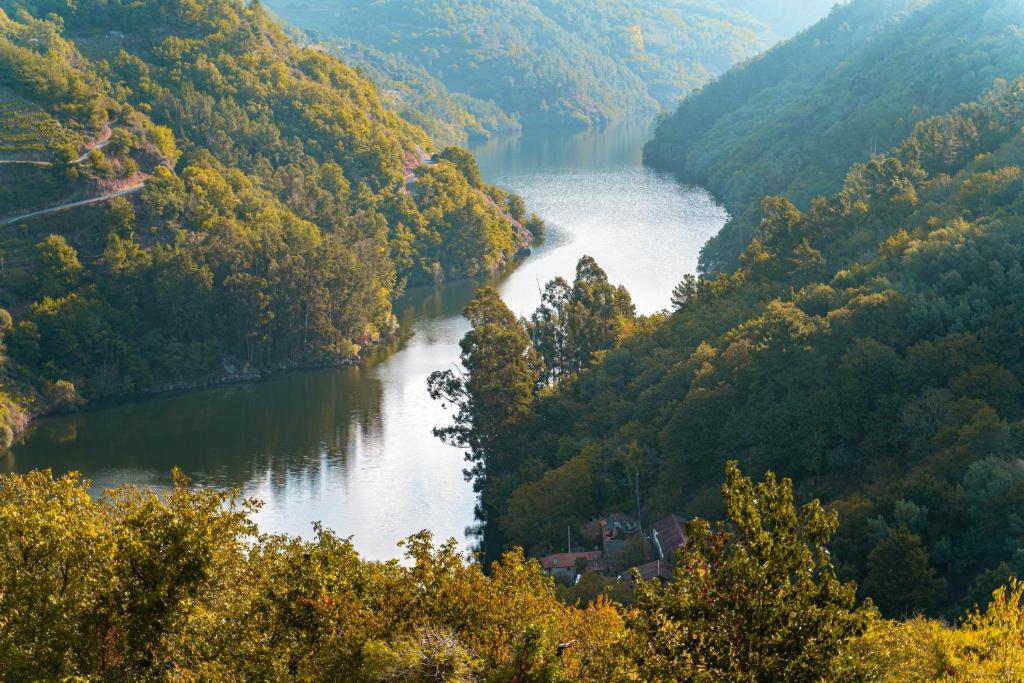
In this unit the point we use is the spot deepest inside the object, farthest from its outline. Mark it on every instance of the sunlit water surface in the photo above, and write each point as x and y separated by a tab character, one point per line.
352	447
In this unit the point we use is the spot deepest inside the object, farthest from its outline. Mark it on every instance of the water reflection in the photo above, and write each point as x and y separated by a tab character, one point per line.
352	447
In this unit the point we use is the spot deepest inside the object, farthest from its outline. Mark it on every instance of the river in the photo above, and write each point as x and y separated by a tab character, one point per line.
352	447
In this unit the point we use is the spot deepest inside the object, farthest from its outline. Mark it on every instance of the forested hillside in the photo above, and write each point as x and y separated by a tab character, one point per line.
545	62
869	347
786	17
793	120
420	98
268	207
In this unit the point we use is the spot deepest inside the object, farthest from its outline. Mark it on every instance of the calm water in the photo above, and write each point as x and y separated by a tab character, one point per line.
352	447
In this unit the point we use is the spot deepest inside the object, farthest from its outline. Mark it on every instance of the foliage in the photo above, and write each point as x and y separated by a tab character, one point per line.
422	99
755	599
575	324
283	209
135	586
792	121
502	371
989	646
867	348
541	62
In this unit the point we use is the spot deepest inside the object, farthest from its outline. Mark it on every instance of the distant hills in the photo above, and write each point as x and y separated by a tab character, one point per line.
540	62
792	120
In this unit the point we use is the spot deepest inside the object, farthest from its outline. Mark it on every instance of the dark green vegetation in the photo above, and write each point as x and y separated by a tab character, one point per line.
793	120
868	347
275	207
544	62
135	587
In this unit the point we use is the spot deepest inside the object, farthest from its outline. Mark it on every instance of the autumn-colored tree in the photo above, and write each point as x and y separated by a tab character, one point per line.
755	598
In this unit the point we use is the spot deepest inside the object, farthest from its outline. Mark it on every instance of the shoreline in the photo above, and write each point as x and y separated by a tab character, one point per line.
26	420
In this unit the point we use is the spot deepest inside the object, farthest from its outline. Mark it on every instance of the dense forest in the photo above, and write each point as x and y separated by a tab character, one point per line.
793	120
422	99
868	347
263	207
542	62
137	587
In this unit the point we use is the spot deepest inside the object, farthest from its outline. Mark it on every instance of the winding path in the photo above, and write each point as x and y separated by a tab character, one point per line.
72	205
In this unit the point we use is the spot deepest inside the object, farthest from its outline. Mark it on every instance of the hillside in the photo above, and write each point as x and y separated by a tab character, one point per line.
868	347
794	119
546	62
786	17
272	207
423	100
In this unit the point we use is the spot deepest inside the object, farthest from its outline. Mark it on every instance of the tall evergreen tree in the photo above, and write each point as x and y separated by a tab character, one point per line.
496	391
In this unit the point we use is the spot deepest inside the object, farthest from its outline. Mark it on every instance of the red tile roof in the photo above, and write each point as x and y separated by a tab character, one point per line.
595	560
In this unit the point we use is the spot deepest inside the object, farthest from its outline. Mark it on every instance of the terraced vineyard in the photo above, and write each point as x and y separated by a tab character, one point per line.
28	133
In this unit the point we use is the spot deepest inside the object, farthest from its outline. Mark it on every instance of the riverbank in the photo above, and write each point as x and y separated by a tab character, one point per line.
17	419
352	447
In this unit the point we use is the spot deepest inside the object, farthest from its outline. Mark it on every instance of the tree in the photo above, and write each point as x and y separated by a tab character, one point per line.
58	269
496	391
99	163
548	329
575	323
754	599
465	162
6	323
516	207
535	224
121	142
685	292
597	315
120	218
900	579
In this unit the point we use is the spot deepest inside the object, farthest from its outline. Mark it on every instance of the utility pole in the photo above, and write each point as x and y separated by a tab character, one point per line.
568	530
637	470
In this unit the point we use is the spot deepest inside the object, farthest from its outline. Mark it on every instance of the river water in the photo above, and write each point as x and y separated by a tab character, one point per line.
352	447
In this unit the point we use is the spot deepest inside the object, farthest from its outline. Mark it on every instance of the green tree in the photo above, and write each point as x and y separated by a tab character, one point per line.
685	292
58	269
497	390
120	218
755	599
900	579
6	323
121	142
465	162
516	207
573	325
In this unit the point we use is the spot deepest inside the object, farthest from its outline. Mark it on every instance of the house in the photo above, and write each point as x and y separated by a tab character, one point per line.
565	567
668	534
616	531
658	569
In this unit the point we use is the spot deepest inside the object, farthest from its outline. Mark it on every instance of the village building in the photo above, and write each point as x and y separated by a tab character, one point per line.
668	534
566	567
617	532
